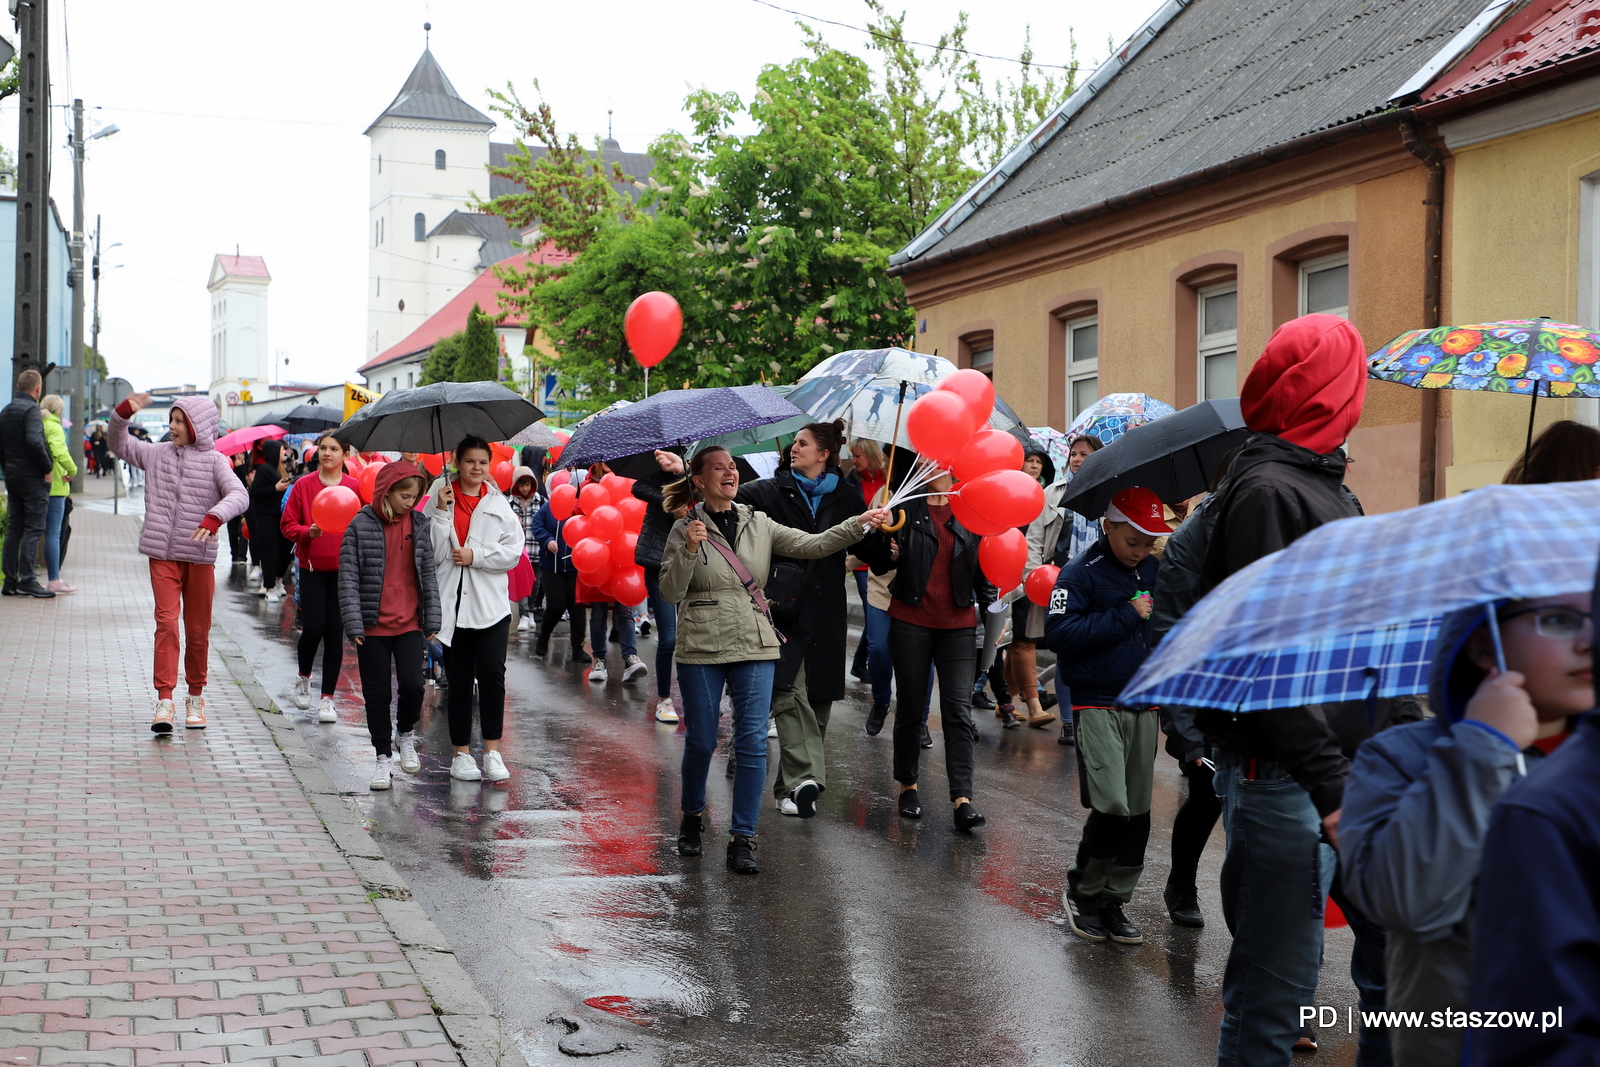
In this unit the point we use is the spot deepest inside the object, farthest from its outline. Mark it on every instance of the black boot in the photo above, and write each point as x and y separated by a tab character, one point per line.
742	855
875	719
689	833
967	818
1183	905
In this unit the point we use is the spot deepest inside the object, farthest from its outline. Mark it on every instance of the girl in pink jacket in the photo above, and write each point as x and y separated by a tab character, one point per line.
190	493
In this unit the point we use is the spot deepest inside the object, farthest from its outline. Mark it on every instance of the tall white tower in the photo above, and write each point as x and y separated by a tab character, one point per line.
239	355
428	152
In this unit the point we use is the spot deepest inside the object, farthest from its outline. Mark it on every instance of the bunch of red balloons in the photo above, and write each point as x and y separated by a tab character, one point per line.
602	523
992	497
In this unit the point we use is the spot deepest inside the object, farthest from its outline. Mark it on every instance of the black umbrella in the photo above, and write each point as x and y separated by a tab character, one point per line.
434	418
1172	456
674	417
310	418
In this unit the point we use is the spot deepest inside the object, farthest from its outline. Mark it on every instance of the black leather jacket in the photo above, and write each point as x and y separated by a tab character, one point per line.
657	523
23	452
919	544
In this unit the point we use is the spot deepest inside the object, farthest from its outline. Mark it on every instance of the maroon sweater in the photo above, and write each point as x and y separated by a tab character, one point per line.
938	610
400	604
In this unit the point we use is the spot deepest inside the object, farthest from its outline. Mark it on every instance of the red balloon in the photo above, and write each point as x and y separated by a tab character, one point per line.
975	388
969	518
628	587
502	473
605	522
623	548
333	508
989	450
1002	557
591	556
633	511
555	453
940	425
502	451
368	479
1010	498
563	498
591	496
653	324
574	530
1040	581
432	463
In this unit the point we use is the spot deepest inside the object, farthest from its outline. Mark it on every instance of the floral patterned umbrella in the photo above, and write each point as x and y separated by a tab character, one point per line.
1513	356
1056	445
1115	414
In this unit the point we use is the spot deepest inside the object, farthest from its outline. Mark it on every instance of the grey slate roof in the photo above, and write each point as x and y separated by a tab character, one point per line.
428	95
496	233
1221	81
636	165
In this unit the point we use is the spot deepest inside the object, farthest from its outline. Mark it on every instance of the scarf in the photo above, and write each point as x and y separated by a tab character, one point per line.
814	489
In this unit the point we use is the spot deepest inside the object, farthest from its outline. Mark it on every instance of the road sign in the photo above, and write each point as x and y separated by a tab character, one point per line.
114	391
232	398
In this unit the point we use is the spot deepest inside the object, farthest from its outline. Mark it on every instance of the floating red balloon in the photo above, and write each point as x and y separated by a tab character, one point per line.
623	548
433	463
940	424
653	324
555	452
633	511
591	556
973	521
1040	581
333	508
975	388
989	450
502	473
628	587
1011	498
1002	557
563	498
368	480
591	496
574	530
502	452
605	522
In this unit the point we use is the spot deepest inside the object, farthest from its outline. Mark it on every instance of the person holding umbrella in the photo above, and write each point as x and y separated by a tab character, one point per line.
318	580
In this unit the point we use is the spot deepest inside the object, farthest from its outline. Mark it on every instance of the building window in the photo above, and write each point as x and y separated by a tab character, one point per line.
438	160
982	356
1083	363
419	227
411	378
1325	285
1219	341
377	287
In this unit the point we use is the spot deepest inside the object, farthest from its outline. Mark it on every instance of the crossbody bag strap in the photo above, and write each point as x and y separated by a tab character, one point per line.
745	577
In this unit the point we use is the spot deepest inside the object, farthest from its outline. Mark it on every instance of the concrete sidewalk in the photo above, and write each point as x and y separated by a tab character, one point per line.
195	899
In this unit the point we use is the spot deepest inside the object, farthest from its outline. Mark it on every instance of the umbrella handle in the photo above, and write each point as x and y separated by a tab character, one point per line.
897	524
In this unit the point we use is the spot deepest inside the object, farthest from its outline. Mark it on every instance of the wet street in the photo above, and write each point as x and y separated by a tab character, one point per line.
865	939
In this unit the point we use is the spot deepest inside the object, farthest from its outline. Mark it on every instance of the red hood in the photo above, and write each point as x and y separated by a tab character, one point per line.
1309	384
390	473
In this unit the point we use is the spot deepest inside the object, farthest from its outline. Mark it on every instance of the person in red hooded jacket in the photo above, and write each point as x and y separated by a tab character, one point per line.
318	555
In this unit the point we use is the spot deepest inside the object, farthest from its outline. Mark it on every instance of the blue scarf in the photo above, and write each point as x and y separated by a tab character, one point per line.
813	490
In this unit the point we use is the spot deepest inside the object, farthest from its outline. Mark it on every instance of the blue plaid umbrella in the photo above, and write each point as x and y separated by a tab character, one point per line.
1350	609
1115	414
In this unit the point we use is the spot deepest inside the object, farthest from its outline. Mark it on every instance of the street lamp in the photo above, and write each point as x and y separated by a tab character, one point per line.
82	406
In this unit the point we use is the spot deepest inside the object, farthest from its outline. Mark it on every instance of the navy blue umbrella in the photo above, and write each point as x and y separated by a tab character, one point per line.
674	417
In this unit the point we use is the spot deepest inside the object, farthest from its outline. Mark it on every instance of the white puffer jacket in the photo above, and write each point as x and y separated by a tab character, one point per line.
478	596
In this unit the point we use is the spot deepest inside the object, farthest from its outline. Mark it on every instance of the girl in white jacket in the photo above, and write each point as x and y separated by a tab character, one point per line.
476	541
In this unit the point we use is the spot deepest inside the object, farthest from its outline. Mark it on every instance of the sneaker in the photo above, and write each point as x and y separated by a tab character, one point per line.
464	768
1119	926
1009	718
1183	906
875	719
644	628
408	754
665	712
787	806
580	656
59	586
254	577
633	667
927	738
742	855
273	595
981	699
302	693
162	722
772	727
597	673
325	710
1069	734
381	776
1084	918
805	798
494	768
194	713
524	624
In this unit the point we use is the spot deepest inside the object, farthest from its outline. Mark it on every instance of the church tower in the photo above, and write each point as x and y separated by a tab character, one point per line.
239	354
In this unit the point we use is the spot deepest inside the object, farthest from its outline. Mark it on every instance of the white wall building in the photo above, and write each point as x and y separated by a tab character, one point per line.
240	359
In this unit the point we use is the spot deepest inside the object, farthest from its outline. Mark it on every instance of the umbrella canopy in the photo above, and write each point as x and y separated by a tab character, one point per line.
537	436
895	364
1357	598
1115	414
434	418
309	418
1524	356
232	444
1173	457
1055	445
756	438
674	417
868	405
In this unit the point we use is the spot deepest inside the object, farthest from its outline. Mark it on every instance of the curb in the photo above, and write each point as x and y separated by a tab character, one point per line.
464	1012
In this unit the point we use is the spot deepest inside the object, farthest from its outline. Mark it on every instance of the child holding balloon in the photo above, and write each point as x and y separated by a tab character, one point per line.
316	549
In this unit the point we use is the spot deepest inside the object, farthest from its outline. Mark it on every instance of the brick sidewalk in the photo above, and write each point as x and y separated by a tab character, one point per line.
179	900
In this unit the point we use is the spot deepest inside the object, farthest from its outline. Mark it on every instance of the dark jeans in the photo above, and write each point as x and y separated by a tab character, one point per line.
1191	827
273	550
620	618
666	631
29	500
238	547
479	654
749	682
377	657
915	649
320	624
561	594
863	654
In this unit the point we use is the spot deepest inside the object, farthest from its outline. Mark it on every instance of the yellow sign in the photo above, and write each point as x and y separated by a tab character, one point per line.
356	398
244	397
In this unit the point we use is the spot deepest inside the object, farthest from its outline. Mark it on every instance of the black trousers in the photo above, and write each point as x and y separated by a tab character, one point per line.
913	649
561	594
238	547
380	659
480	655
1192	826
272	549
321	624
28	498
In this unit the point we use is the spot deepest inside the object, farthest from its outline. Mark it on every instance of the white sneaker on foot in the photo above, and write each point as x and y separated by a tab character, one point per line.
325	710
597	673
772	727
273	596
665	712
787	806
162	722
194	712
381	776
633	667
302	693
464	768
494	768
525	624
254	577
408	754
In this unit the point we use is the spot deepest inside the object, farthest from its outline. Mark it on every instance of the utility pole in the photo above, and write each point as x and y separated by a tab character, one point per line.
29	337
77	395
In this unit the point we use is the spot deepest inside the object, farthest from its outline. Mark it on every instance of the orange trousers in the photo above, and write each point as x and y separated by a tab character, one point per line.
186	588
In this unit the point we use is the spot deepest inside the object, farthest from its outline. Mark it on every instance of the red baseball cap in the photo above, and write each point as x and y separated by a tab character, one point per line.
1141	509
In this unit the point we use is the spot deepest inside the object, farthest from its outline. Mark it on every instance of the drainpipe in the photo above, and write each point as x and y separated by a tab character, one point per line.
1432	286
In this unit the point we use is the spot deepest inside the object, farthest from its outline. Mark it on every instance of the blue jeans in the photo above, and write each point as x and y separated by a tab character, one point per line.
604	615
750	684
55	511
666	631
1275	878
880	668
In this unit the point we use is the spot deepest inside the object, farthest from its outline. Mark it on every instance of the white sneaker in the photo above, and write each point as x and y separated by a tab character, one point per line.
772	727
302	693
408	754
325	710
464	768
525	624
633	667
381	776
665	712
787	806
254	577
597	673
194	713
166	710
494	768
273	595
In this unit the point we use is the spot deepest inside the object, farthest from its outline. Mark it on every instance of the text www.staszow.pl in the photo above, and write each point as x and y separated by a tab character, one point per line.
1448	1019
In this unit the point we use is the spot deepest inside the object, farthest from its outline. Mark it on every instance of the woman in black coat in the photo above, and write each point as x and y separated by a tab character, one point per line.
267	484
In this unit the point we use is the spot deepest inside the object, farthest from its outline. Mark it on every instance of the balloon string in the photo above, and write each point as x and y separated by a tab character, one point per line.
922	473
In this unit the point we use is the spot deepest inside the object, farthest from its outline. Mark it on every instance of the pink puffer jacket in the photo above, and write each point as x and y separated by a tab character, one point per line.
182	485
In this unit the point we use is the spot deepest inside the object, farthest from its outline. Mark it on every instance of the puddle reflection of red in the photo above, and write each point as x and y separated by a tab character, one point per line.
624	1007
569	948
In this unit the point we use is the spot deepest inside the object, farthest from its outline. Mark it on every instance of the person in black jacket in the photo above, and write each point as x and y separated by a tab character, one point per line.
1098	625
809	605
558	575
267	484
27	464
647	554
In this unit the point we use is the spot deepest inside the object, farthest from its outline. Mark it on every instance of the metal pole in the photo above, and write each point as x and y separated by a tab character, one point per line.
92	393
78	404
29	337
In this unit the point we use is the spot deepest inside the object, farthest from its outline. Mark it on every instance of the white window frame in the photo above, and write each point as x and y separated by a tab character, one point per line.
1311	266
986	345
1215	344
1588	295
1084	369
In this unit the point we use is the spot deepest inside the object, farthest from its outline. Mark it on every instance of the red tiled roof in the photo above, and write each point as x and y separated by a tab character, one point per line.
1542	36
244	266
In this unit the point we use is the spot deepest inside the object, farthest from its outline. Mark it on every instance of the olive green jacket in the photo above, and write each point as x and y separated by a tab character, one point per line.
717	619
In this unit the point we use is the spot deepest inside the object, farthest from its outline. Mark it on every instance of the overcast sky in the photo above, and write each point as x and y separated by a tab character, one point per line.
241	125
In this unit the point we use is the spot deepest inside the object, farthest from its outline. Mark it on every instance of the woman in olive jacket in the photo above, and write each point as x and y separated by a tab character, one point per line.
725	637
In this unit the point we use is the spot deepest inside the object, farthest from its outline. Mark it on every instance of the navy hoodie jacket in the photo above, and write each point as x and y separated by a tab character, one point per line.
1092	626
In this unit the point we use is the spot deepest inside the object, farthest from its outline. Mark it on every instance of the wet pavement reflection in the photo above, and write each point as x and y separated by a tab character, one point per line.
865	939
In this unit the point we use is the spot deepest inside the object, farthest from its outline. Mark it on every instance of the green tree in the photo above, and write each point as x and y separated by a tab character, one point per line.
479	357
440	363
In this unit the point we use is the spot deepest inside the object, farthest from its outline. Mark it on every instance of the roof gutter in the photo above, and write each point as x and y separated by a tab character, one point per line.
1266	157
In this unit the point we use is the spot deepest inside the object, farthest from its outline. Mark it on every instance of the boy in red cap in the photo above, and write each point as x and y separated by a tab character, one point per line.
1098	625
